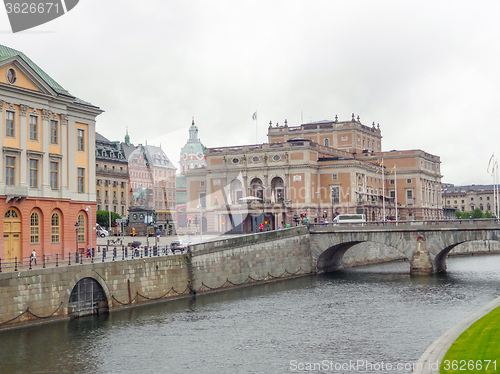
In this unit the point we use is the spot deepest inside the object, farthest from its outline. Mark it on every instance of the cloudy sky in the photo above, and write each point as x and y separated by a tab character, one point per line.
427	71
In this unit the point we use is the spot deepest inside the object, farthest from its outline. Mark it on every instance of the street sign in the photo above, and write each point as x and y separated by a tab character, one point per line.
119	220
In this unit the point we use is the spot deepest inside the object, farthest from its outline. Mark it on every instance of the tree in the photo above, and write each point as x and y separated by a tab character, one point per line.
102	218
477	213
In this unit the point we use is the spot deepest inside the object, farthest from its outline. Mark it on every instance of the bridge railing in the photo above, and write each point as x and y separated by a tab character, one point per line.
484	222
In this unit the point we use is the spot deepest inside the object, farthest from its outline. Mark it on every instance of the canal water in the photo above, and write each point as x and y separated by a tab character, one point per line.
362	316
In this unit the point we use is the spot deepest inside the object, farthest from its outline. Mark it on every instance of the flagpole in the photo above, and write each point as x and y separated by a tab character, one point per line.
383	190
396	191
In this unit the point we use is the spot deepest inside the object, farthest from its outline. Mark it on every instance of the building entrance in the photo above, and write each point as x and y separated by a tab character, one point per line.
12	235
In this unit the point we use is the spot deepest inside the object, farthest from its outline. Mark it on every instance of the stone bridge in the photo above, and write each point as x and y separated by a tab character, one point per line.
424	246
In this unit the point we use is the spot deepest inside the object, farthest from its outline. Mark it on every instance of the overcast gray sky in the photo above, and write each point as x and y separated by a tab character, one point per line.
427	71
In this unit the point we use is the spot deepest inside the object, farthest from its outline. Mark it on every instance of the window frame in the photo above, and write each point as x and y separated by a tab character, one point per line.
54	175
34	228
55	228
10	126
33	128
80	181
33	174
80	140
10	169
54	132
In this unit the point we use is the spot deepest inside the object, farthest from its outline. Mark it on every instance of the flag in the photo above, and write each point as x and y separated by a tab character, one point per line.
489	163
381	163
393	168
254	116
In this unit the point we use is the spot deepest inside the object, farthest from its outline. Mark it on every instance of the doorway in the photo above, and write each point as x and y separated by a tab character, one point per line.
12	234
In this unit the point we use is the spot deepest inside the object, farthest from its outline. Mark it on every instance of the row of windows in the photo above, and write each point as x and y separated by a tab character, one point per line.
106	194
34	130
34	172
408	181
106	207
55	226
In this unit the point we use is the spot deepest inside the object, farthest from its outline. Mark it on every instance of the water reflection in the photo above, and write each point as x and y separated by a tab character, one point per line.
374	313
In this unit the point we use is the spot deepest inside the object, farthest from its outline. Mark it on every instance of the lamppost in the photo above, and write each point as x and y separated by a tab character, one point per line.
76	233
89	209
200	207
319	203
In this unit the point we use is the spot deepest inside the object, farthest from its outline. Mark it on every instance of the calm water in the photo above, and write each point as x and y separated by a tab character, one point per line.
374	313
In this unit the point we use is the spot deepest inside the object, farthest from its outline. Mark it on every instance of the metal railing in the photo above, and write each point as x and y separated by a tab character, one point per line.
484	222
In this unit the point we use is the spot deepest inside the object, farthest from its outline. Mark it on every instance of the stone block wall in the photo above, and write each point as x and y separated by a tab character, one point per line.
261	257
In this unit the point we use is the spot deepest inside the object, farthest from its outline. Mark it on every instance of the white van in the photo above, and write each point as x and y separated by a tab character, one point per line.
349	218
100	231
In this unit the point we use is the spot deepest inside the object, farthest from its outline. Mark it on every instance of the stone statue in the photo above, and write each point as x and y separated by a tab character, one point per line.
140	197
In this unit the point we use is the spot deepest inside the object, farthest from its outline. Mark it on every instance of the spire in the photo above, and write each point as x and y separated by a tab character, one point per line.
127	138
193	132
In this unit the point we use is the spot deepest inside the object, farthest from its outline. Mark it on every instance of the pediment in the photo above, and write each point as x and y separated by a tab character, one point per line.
26	77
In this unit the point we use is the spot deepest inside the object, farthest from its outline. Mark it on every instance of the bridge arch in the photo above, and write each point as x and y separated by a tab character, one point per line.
87	294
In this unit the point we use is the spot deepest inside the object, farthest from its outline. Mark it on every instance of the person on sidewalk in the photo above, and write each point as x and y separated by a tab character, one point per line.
33	257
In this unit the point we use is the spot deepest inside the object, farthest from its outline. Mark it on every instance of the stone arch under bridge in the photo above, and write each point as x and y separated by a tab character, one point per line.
425	248
87	294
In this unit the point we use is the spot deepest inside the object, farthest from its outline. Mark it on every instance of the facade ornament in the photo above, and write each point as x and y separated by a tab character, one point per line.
23	109
336	119
224	159
352	118
378	126
46	114
10	107
286	123
1	103
270	124
64	119
34	112
358	118
373	125
286	156
277	124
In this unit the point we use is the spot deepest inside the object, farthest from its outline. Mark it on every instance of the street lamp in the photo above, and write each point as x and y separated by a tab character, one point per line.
76	238
319	203
89	209
200	207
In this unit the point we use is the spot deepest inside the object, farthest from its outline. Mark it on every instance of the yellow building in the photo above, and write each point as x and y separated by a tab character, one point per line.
298	173
47	185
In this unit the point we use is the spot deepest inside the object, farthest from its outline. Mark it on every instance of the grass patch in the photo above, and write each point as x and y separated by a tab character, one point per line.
479	343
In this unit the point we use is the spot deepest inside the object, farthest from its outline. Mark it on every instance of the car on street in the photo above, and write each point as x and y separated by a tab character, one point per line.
102	233
179	245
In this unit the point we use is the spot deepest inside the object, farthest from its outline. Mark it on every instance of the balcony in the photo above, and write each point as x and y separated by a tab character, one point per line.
16	193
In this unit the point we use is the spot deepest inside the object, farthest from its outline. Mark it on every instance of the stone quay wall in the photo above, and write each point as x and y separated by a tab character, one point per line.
246	259
40	294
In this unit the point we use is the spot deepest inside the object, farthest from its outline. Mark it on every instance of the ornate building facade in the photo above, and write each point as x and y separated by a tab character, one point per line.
299	173
47	187
112	189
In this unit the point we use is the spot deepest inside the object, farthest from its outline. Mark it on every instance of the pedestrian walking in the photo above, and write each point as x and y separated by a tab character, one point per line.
33	257
88	251
261	227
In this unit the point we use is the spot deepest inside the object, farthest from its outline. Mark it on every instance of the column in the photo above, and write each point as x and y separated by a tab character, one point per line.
45	135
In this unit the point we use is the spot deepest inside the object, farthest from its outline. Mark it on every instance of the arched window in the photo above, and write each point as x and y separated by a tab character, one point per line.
34	228
327	142
54	223
81	228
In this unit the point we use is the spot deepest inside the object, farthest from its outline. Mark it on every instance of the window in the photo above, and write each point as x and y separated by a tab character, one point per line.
114	208
202	183
9	124
9	170
335	176
123	210
114	194
98	193
409	196
33	173
335	195
393	193
53	132
471	199
54	175
122	195
81	180
391	181
81	229
106	193
203	200
33	128
326	142
81	140
34	228
54	223
408	181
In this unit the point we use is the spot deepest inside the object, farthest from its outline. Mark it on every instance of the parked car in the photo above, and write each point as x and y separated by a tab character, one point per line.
179	245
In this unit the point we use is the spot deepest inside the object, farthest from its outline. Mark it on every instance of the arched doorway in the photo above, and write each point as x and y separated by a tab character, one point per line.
12	234
87	297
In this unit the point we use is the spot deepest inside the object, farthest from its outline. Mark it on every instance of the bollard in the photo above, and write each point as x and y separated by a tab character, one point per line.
92	256
57	259
15	264
141	254
123	253
69	258
126	252
103	253
0	265
76	257
44	261
114	253
146	251
155	251
30	264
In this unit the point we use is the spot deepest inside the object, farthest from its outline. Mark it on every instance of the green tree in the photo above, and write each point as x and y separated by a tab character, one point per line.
102	218
477	213
488	214
458	214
